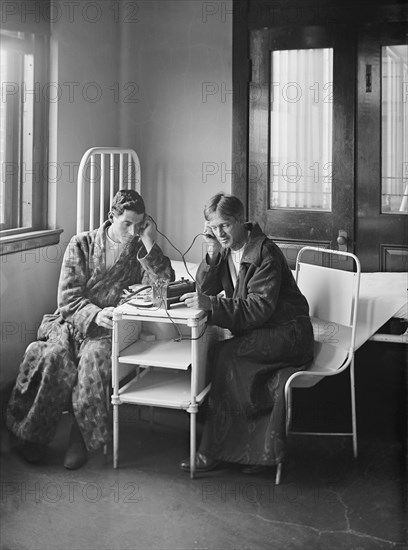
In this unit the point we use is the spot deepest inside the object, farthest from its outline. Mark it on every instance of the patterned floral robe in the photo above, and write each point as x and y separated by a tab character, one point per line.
70	364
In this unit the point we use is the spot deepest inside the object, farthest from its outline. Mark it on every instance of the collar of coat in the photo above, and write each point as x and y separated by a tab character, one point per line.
252	251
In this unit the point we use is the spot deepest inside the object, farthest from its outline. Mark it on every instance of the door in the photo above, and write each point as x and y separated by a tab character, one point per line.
328	140
382	149
301	136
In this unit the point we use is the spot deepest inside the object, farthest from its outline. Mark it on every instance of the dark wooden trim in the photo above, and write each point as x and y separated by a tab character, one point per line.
374	228
298	13
41	134
241	70
261	14
390	252
290	250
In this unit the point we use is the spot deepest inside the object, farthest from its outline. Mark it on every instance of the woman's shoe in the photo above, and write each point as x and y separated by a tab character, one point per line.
202	463
76	454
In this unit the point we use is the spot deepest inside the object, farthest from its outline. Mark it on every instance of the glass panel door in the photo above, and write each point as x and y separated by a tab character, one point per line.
301	137
382	178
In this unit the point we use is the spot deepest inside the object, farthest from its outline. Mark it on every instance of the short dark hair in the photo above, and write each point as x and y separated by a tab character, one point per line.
127	199
226	205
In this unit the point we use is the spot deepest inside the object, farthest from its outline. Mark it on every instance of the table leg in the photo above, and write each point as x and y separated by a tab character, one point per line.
115	435
193	437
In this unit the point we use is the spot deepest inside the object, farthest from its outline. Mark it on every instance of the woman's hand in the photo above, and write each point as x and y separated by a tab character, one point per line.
196	300
212	246
148	233
104	318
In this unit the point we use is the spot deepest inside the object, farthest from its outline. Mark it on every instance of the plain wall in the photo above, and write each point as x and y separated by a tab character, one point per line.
178	55
83	52
174	58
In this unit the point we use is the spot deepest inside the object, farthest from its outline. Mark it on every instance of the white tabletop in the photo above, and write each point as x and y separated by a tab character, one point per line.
382	296
176	311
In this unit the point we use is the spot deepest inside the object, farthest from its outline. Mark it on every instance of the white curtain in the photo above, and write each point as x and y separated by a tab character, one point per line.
301	129
394	129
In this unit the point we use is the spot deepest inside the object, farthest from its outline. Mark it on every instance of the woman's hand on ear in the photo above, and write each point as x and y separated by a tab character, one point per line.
212	246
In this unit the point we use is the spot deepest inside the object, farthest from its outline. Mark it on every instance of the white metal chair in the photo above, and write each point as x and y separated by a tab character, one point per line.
101	173
332	294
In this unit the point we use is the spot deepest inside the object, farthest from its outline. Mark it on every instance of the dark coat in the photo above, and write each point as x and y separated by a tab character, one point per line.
266	293
272	338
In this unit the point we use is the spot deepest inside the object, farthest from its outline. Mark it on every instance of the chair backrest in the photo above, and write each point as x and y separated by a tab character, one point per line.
332	293
102	172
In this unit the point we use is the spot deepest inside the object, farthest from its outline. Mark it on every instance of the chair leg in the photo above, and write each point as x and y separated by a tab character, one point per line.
108	402
288	402
278	473
353	408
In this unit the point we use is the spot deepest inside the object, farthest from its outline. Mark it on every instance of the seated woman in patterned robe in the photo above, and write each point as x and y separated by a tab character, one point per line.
246	286
70	364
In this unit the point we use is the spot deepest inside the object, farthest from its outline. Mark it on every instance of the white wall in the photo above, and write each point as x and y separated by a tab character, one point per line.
179	57
88	54
86	51
161	53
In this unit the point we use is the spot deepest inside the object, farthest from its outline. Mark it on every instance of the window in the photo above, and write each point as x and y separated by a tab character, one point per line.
394	130
23	159
301	122
24	59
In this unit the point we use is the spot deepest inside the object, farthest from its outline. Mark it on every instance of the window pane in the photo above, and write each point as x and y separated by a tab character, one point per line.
27	172
16	134
3	132
301	129
394	130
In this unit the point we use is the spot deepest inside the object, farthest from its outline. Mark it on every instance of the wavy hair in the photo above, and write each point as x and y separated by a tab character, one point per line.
226	205
127	199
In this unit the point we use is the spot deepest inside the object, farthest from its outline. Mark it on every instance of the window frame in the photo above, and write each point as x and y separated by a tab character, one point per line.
14	239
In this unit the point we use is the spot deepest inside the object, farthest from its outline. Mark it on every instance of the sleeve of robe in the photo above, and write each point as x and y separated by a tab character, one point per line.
78	280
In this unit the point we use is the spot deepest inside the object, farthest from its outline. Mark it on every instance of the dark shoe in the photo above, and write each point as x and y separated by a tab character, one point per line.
76	454
255	469
33	452
202	463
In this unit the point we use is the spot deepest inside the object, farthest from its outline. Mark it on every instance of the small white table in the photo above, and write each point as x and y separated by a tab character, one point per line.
168	372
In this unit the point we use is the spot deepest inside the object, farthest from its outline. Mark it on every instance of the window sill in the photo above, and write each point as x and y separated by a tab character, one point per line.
12	244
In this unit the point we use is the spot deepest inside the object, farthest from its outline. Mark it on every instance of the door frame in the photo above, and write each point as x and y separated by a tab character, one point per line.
291	226
381	237
257	14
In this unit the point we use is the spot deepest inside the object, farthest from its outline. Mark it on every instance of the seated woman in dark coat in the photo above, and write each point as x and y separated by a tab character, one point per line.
70	364
272	337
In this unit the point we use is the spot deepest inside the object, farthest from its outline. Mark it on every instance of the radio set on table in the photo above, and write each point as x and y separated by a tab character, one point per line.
161	294
167	294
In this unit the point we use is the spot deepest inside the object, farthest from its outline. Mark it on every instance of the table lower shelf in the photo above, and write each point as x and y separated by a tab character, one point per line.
161	353
159	388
